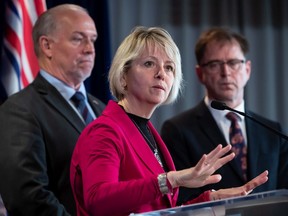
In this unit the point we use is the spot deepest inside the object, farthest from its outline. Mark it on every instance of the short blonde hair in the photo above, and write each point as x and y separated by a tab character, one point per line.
132	47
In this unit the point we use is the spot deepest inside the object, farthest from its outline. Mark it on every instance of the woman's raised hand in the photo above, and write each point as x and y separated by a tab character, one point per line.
202	173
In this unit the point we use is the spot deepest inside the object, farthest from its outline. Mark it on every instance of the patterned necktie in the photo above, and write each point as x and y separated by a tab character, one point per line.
238	143
79	101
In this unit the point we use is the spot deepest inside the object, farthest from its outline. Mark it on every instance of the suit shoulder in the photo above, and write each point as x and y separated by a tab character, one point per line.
267	121
96	100
262	118
25	96
188	114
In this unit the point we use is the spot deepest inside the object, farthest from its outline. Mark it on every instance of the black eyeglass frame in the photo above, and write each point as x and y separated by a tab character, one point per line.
220	63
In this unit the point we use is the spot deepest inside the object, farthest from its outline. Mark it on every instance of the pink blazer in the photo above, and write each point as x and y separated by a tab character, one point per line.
113	170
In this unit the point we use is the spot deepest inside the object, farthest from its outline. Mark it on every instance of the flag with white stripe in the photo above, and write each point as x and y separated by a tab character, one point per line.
18	59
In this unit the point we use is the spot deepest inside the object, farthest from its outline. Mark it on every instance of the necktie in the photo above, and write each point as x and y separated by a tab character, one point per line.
238	143
79	101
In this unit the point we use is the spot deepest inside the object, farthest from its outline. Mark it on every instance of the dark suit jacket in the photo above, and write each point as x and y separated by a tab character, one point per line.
38	131
193	133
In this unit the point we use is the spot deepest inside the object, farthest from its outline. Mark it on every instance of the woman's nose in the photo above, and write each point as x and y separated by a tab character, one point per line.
160	72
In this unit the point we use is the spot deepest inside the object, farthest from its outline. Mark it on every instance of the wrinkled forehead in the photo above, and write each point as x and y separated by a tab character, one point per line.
222	43
216	49
74	18
69	24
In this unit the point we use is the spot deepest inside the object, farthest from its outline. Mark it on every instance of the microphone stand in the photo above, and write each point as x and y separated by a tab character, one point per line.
223	106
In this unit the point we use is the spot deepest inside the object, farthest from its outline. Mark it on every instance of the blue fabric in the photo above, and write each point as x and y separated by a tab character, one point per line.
79	101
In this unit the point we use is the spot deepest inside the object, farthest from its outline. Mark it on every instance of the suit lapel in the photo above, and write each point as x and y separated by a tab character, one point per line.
213	132
253	160
95	105
55	99
167	157
162	147
143	150
139	145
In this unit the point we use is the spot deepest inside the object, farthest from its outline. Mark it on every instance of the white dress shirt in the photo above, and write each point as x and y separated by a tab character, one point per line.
224	123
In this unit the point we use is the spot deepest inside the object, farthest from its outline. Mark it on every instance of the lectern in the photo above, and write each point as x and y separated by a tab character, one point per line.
271	203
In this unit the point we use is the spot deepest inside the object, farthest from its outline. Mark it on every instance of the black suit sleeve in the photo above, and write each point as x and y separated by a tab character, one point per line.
175	142
24	178
283	170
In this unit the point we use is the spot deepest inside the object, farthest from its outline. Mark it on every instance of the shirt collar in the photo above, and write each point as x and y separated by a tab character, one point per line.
66	91
221	113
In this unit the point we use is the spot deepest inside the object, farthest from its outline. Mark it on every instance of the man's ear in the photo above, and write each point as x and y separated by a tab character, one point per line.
199	73
45	46
248	68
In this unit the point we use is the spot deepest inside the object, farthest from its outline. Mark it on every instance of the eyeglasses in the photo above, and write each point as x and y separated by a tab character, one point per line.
216	65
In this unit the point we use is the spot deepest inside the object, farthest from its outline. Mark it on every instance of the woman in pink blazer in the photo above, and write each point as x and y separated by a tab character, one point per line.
120	164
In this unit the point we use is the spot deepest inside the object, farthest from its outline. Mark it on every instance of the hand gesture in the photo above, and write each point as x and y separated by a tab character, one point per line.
201	174
240	191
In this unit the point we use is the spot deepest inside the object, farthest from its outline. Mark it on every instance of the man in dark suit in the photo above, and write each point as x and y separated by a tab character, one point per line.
39	126
224	71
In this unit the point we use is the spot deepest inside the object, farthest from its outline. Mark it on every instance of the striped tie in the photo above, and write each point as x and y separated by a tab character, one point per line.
79	101
238	143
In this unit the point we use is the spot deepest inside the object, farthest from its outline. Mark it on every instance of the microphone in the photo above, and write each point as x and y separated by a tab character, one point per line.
222	106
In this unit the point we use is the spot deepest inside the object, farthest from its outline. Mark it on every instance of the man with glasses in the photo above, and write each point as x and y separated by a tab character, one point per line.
224	71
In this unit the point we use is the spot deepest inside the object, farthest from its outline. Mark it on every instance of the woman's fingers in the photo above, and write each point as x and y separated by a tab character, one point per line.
212	179
218	152
224	160
240	191
202	173
255	182
215	159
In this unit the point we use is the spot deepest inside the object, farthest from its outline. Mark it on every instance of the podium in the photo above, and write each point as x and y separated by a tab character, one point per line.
271	203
